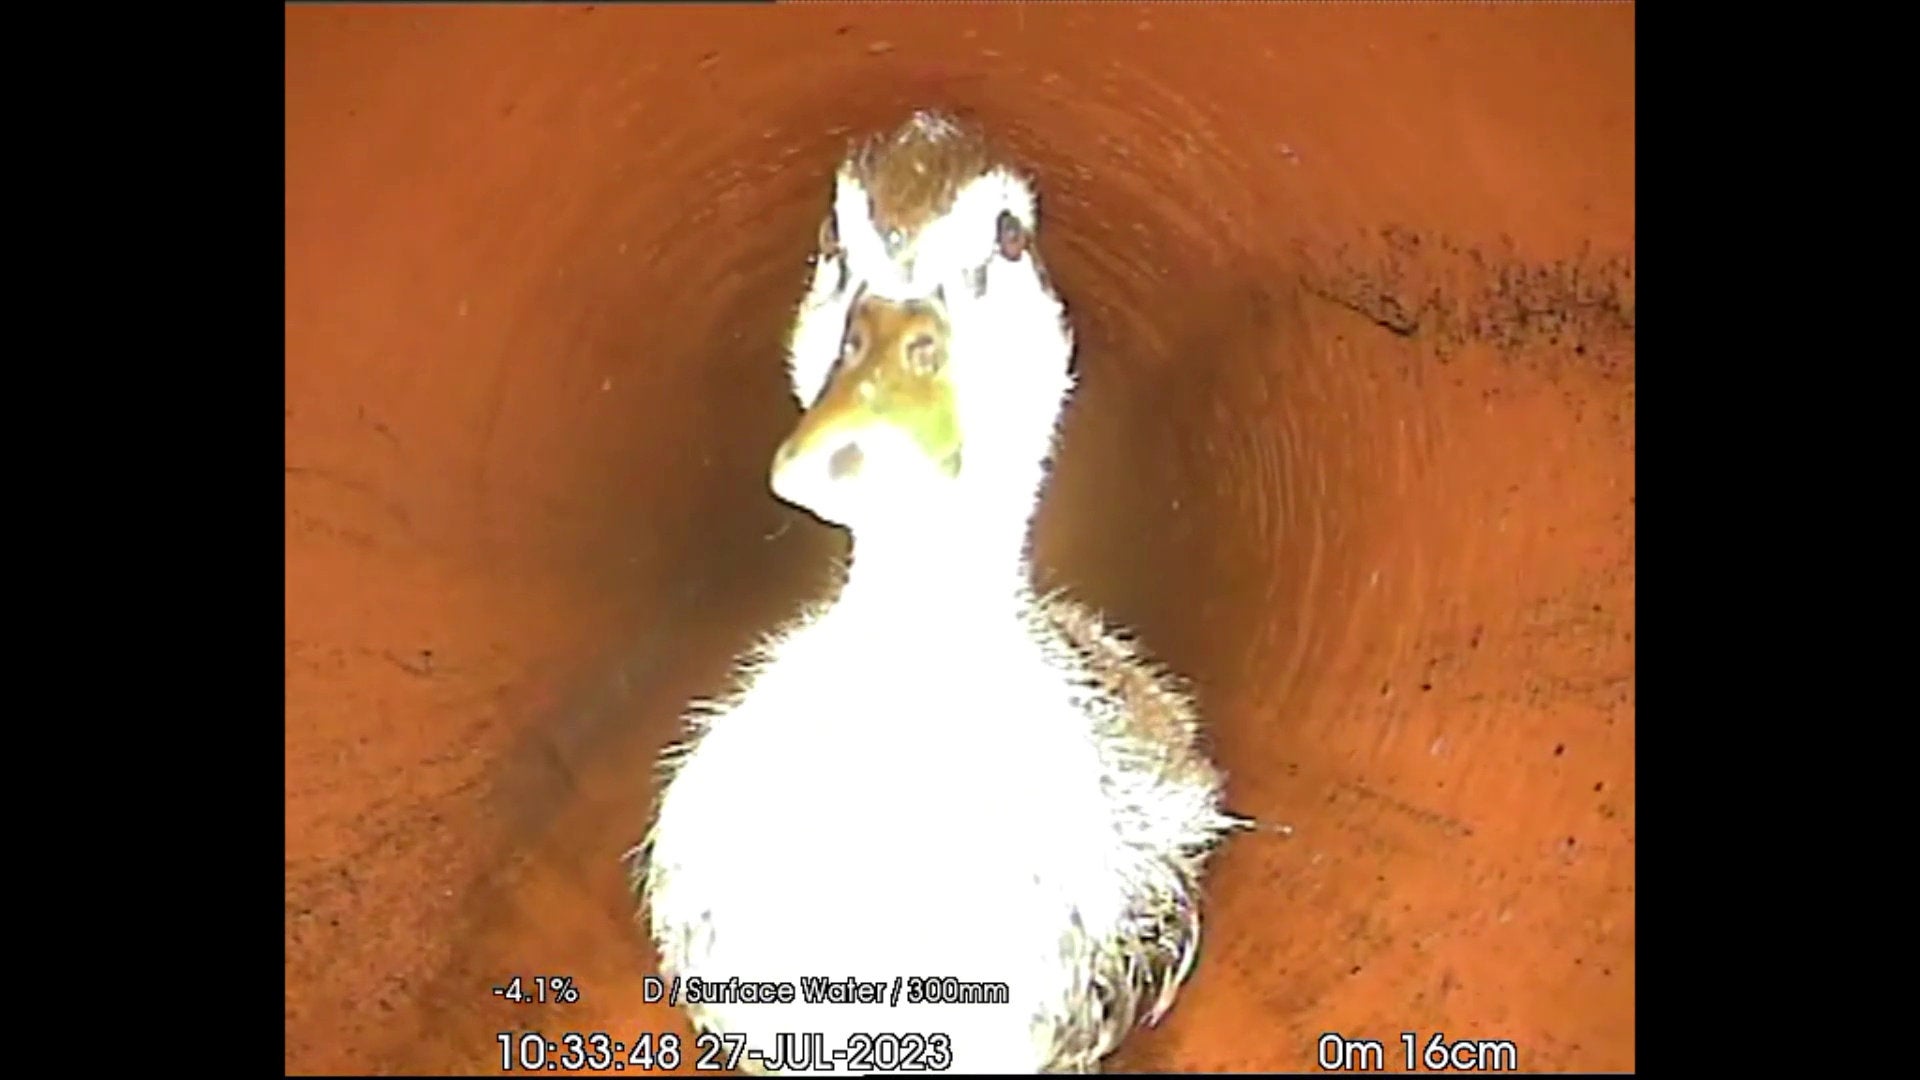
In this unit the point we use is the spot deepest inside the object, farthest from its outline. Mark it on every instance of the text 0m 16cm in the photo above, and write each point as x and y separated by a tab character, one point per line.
1340	1054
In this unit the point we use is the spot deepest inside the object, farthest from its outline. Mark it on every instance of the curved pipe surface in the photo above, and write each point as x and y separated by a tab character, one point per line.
1353	449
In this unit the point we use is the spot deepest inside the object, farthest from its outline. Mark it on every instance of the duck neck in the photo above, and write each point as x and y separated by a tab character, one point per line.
946	562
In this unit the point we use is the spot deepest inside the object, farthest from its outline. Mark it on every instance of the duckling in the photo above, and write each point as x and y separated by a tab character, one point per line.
943	820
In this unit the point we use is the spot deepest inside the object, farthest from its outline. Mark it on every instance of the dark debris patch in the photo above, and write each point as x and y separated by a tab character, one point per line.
1450	295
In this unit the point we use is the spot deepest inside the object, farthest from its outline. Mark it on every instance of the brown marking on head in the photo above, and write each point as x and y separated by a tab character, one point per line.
913	173
892	369
893	353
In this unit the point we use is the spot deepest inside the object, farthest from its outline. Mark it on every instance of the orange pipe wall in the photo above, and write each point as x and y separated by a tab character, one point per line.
1354	449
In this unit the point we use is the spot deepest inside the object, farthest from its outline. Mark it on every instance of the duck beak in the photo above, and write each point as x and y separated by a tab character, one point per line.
886	430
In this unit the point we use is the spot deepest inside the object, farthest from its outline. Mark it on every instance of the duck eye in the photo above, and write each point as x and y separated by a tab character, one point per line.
1010	236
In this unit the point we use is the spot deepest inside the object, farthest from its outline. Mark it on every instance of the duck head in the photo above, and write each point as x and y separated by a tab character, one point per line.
930	355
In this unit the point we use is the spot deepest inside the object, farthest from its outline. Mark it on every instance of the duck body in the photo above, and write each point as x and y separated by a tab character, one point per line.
981	805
